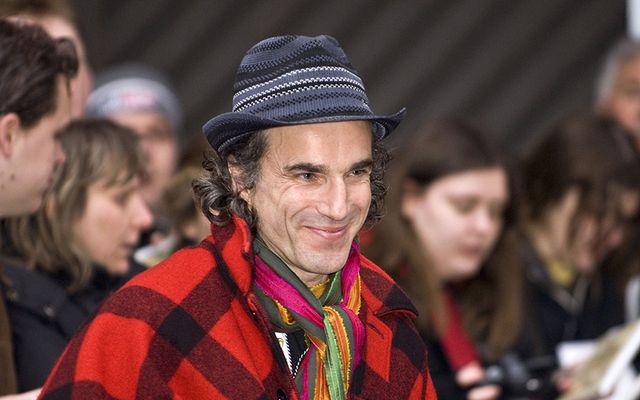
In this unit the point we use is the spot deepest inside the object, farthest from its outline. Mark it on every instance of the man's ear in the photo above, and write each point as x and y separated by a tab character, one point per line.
9	127
236	174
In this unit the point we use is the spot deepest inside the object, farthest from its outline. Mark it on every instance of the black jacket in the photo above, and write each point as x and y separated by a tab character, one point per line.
44	317
441	372
554	314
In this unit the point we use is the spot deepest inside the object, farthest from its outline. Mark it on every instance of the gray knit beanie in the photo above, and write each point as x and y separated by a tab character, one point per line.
134	87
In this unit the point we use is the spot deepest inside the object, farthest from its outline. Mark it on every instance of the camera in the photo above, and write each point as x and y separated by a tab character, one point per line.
520	379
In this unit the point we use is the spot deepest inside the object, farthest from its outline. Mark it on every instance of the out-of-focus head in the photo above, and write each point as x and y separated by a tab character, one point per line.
96	199
451	188
34	81
450	199
94	212
618	86
140	98
582	182
178	204
57	18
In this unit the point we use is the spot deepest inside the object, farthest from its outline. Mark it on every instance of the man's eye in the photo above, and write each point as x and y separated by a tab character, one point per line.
361	172
306	176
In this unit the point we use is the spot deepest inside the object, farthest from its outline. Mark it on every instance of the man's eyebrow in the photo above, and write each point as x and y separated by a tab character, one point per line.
362	164
315	168
307	167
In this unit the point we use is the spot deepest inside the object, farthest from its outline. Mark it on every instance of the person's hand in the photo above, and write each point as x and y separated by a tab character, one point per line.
30	395
563	379
473	374
484	392
469	375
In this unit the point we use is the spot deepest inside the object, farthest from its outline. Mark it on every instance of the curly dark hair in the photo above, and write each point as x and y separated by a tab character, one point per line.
30	64
219	199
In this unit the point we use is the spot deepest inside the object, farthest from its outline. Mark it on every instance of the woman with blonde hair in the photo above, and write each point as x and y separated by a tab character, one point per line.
69	256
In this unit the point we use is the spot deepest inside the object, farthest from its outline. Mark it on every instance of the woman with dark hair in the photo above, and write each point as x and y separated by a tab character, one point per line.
76	249
448	201
582	186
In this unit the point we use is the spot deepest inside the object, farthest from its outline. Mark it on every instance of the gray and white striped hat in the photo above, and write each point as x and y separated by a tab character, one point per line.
292	80
133	87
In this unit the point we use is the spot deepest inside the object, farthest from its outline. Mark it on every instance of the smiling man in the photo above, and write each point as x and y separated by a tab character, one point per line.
278	303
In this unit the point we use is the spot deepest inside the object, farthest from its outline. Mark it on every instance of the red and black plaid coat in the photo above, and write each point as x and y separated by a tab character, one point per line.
191	328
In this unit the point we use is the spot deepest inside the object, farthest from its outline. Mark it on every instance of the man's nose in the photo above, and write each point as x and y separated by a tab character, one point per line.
333	201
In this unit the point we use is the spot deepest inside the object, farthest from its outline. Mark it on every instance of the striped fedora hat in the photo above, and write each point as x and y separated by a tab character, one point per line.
292	80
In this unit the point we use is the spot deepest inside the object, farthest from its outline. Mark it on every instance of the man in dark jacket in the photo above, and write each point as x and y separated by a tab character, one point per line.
34	101
278	303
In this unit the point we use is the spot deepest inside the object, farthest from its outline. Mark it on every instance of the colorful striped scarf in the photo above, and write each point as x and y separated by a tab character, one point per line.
330	322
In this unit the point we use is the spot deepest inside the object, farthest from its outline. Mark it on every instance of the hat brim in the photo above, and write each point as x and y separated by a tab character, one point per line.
229	128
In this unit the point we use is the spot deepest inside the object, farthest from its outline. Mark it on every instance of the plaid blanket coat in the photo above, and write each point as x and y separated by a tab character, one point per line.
191	328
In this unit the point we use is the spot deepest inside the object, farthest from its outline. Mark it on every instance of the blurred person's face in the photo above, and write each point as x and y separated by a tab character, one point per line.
110	226
595	237
197	228
160	148
458	219
583	249
623	103
313	194
32	155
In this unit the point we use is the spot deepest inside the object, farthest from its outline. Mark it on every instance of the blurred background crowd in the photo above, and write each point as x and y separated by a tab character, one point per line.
513	205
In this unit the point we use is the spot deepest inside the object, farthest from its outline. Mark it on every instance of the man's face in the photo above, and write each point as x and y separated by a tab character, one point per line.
623	103
35	155
313	194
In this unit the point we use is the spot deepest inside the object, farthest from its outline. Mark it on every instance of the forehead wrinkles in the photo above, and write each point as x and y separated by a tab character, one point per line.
328	148
289	143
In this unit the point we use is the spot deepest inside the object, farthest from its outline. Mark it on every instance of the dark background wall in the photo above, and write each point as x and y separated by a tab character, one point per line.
511	66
